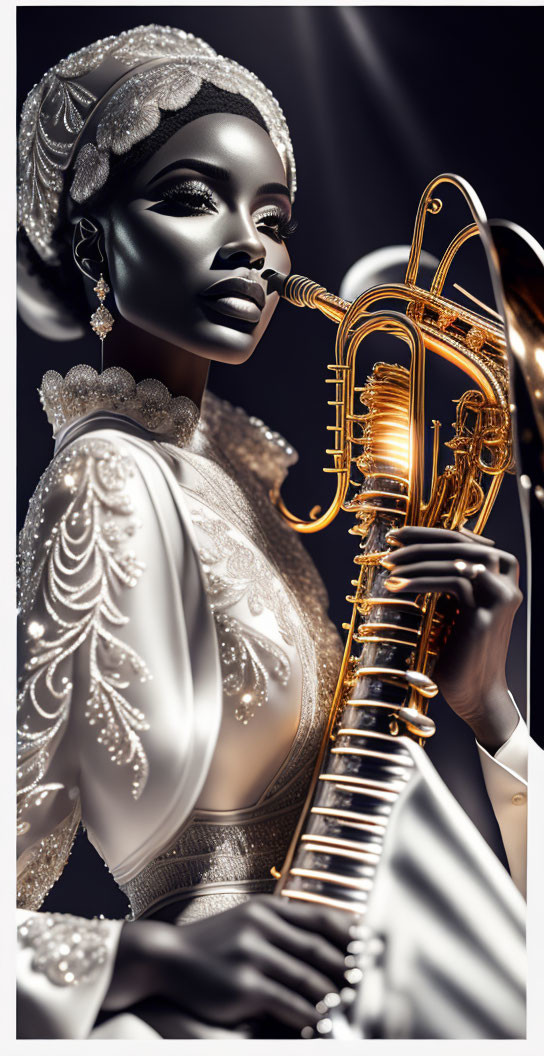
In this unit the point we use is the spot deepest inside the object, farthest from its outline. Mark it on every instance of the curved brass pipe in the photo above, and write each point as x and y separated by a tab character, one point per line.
437	285
454	332
401	327
433	205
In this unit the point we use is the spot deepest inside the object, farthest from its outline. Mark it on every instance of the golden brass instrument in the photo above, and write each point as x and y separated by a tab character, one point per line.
384	691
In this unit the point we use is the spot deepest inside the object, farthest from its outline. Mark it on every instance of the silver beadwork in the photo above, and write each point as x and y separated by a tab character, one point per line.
45	860
148	402
57	109
82	549
68	950
243	651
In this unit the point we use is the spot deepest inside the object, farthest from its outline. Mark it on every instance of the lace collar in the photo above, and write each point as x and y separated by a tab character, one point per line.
149	402
176	419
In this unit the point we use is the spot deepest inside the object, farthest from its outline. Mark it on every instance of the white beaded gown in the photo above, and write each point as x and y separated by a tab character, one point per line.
177	667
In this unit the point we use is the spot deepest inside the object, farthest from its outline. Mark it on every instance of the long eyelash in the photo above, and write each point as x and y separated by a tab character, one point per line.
283	227
287	227
188	190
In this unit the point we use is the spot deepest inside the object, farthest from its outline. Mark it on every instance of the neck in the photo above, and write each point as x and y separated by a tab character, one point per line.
145	356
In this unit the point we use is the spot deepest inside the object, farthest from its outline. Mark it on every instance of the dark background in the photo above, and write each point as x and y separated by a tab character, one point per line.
379	100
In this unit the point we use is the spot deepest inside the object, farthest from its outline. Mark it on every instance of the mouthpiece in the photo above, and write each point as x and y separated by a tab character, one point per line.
276	281
304	293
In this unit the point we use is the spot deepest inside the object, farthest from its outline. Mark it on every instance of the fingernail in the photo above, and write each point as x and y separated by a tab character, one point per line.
387	562
396	583
391	540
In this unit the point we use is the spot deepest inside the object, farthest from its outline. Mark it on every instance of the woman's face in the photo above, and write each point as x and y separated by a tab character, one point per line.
207	208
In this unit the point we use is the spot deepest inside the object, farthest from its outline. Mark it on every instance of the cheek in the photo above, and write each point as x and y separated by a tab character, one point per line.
154	264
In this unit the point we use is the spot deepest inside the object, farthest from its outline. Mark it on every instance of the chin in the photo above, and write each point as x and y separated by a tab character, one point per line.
224	343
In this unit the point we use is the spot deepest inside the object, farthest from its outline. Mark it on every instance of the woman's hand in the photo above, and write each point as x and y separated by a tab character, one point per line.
470	671
265	957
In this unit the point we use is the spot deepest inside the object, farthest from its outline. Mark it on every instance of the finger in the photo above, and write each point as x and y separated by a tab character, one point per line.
438	569
290	1008
416	534
308	946
491	590
468	552
455	585
332	924
296	975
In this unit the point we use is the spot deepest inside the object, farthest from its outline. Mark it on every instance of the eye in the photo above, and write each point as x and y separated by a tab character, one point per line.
185	198
274	222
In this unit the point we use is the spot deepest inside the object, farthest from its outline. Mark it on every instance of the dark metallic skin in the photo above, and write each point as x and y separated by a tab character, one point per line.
163	260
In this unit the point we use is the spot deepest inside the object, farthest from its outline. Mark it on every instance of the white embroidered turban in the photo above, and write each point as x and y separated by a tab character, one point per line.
102	100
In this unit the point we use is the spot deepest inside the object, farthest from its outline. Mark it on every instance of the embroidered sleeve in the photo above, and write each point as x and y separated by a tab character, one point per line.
64	968
68	950
76	560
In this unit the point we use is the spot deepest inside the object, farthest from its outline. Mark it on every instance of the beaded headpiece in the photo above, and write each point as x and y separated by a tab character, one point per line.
108	96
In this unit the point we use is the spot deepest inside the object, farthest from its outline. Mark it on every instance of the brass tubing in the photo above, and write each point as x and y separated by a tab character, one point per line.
444	266
390	436
426	206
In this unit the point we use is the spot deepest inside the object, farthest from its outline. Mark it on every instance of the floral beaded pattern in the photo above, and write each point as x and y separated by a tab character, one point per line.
68	950
67	584
248	659
45	861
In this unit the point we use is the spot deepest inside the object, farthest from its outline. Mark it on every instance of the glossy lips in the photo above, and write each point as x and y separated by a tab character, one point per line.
237	297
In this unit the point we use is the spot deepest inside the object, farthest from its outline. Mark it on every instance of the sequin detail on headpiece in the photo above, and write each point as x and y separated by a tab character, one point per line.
57	111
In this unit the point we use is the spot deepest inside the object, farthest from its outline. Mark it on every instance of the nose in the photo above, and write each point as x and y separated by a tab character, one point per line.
246	248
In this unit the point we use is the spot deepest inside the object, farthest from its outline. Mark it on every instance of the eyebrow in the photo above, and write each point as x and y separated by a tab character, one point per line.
216	172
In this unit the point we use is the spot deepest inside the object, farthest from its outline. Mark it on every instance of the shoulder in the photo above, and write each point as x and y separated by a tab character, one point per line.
94	492
248	441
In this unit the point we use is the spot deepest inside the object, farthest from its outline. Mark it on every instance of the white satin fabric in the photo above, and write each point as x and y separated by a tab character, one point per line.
505	776
203	641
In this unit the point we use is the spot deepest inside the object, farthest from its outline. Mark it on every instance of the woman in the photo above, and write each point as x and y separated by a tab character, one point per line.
172	624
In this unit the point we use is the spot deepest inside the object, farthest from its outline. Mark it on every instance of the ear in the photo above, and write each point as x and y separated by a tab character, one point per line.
88	248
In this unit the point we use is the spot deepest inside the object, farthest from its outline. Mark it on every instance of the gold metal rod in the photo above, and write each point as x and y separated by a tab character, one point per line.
371	733
360	639
368	792
393	627
367	822
367	703
351	786
443	268
395	675
333	841
361	884
323	900
331	849
390	601
370	753
480	304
